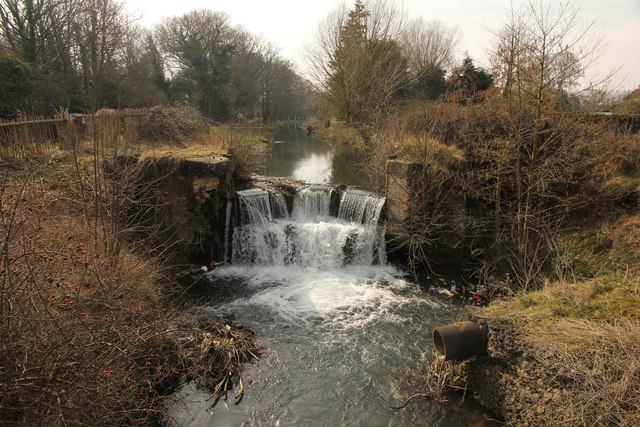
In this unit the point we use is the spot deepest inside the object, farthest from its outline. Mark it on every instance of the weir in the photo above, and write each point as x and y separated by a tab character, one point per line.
339	325
266	230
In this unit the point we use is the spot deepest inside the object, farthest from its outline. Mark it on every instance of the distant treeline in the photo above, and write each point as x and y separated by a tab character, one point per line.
86	55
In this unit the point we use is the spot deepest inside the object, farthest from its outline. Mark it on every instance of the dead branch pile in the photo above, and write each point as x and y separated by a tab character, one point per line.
216	351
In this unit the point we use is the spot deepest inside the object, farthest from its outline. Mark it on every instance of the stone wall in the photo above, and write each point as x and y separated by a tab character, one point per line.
208	174
191	197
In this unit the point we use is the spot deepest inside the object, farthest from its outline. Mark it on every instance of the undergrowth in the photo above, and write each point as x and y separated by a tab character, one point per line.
173	125
90	330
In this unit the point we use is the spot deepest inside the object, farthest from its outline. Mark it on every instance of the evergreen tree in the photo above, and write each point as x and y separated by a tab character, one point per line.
467	79
367	72
15	88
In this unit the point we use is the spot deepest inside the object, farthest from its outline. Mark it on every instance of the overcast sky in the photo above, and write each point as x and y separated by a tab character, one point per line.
291	23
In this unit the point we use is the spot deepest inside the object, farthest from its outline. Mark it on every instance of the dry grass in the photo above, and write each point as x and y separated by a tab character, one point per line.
84	334
89	331
581	353
546	369
594	369
191	150
174	125
604	300
625	241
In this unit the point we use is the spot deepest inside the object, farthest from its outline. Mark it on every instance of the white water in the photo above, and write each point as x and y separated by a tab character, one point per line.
360	206
309	238
312	203
227	223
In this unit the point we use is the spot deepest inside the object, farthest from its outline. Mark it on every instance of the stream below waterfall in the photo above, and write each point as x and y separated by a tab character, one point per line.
339	327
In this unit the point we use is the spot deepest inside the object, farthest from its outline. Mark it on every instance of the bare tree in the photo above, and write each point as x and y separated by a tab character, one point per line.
142	82
542	51
538	58
429	45
31	28
101	28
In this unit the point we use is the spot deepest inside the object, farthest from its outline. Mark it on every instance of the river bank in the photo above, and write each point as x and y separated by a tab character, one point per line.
579	373
568	353
93	329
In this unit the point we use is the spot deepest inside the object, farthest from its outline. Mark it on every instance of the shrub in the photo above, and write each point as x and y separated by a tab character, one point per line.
249	154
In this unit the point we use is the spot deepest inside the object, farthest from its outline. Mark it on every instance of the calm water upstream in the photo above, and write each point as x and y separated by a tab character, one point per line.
296	155
339	326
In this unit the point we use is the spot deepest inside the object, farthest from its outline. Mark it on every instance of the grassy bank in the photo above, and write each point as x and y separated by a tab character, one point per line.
566	353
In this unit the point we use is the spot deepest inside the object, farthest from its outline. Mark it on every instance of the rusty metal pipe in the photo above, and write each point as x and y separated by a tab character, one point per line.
459	341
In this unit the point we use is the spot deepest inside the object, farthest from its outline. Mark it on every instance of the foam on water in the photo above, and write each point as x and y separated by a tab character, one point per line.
309	268
336	299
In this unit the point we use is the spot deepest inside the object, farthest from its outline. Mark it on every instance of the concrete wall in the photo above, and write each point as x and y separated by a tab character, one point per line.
400	187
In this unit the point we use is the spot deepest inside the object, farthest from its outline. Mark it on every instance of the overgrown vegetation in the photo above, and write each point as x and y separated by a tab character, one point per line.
91	329
476	177
504	163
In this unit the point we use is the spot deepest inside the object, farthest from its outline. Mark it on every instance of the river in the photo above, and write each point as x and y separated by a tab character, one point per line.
340	327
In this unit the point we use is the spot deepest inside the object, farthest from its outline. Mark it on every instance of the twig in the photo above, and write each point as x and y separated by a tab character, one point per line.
239	393
429	395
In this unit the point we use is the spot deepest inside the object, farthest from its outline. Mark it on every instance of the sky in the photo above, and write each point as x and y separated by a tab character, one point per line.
290	24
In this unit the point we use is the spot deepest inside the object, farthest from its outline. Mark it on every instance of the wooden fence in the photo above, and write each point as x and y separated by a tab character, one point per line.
29	137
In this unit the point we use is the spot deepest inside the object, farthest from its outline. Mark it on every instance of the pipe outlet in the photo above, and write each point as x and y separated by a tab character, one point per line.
459	341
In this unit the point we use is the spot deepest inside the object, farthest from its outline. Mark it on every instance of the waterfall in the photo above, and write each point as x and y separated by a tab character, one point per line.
255	207
227	223
360	206
312	203
308	237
